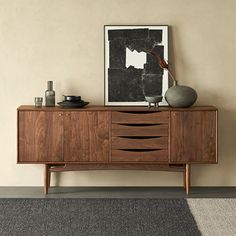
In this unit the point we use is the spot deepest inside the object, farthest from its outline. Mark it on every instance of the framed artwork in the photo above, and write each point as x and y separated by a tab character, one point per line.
131	70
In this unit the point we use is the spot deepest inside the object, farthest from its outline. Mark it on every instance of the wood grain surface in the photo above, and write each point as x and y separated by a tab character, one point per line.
193	137
86	136
139	143
118	108
48	136
76	136
144	130
147	117
100	137
99	128
140	156
40	136
119	166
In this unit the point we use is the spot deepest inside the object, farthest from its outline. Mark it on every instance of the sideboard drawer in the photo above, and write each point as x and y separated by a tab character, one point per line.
139	130
156	117
139	156
139	143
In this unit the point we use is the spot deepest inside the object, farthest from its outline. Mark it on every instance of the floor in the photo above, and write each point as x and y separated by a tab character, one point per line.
118	192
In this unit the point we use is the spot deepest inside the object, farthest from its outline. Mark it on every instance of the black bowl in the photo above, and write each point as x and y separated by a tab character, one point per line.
73	104
71	98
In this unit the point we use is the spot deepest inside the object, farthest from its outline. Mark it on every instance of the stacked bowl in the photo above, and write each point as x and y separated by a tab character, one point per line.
71	101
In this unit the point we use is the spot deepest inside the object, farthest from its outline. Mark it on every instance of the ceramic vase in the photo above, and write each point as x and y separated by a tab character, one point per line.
180	96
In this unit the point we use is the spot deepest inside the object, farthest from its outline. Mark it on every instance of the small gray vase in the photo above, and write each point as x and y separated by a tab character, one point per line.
180	96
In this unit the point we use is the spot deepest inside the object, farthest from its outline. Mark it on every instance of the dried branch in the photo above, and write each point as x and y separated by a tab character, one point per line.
162	63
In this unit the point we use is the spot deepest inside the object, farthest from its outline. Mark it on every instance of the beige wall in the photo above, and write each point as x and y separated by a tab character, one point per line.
62	40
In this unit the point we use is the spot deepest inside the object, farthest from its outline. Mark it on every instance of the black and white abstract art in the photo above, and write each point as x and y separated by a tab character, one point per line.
131	72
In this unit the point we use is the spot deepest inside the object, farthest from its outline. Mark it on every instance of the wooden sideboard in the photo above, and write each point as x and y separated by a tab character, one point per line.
133	138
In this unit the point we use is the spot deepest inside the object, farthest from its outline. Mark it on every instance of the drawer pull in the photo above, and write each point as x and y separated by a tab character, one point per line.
139	125
139	137
140	150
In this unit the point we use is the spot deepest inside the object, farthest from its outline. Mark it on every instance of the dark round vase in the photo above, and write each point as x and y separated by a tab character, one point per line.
181	96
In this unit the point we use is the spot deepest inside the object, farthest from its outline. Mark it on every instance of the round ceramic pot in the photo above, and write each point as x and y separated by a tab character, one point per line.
70	98
181	96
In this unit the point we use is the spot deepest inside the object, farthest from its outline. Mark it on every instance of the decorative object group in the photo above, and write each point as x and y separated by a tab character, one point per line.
177	95
69	101
132	74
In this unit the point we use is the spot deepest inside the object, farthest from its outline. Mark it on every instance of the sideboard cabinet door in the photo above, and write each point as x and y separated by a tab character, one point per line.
40	136
193	137
86	136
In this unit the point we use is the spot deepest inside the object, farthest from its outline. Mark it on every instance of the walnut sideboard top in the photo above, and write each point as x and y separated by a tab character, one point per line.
116	108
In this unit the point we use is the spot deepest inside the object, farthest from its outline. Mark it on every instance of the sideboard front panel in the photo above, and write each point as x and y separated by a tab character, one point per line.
140	136
193	137
99	136
76	137
113	135
40	136
86	136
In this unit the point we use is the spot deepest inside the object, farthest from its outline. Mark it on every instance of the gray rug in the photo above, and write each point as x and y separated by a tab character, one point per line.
92	217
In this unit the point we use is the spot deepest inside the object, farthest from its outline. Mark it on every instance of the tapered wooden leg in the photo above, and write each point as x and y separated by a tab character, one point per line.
187	178
47	176
184	178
